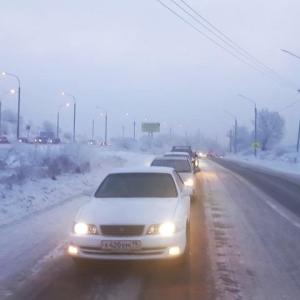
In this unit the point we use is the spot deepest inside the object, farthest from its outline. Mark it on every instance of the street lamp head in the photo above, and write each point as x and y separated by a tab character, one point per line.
67	104
12	91
63	93
3	73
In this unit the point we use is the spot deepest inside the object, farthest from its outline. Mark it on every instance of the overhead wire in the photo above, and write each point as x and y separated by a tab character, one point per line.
199	31
263	71
290	105
240	48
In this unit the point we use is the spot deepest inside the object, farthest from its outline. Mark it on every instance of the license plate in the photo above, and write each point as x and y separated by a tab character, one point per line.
121	245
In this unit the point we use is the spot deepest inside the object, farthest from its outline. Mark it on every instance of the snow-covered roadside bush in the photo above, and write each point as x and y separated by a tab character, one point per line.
20	163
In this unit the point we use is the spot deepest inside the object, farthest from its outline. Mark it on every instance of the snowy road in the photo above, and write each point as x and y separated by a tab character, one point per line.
254	240
244	245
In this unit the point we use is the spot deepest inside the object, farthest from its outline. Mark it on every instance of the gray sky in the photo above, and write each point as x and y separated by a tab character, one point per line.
136	56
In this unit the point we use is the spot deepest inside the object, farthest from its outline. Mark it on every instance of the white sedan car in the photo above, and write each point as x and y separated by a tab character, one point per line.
182	166
135	214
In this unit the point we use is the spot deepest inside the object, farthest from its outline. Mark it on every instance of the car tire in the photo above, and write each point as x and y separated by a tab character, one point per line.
182	260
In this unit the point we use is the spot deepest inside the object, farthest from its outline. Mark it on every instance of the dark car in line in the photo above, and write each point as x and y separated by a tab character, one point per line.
4	140
41	140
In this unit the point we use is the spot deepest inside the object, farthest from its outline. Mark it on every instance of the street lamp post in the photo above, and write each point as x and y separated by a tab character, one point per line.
290	53
105	131
127	114
93	128
74	118
170	128
298	138
19	100
255	123
57	121
5	93
230	140
235	129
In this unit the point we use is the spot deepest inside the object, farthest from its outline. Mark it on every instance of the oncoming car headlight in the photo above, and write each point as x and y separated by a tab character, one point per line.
164	229
189	182
82	229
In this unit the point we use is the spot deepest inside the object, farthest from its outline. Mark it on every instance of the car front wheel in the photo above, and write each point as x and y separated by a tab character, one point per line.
182	260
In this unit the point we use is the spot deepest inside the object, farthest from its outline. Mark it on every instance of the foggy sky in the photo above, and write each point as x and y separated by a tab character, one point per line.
137	57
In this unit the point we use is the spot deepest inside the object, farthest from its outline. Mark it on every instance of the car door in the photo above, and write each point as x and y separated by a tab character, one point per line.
184	201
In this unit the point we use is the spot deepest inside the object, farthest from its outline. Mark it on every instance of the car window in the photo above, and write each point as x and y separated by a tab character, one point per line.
178	181
132	185
177	165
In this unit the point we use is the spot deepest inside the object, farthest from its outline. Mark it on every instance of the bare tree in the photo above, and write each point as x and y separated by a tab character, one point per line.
270	127
48	126
243	138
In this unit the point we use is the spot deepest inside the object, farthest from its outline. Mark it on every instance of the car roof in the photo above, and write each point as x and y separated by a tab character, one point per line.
163	170
182	147
171	158
177	153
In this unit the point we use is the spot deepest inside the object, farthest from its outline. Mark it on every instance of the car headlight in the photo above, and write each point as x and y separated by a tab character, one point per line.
82	229
189	182
164	229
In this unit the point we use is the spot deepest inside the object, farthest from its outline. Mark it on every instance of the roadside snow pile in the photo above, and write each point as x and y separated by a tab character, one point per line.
20	163
35	178
282	158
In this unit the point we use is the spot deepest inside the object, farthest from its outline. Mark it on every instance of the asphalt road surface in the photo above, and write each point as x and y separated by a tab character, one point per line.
245	244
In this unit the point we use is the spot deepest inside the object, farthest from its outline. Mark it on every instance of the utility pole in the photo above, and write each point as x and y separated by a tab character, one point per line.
298	92
298	138
235	131
255	123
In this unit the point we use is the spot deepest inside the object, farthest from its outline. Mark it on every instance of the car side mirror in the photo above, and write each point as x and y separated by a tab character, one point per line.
187	191
88	193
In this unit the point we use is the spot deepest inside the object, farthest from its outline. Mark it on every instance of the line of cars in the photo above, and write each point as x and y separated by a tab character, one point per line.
140	213
37	140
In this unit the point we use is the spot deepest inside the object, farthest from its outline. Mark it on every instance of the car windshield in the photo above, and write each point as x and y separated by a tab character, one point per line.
141	185
178	165
189	152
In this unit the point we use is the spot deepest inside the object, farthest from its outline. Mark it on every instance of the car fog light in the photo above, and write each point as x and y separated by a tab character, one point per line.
174	251
73	250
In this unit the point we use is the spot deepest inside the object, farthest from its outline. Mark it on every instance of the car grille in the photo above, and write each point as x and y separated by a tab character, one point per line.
143	251
122	230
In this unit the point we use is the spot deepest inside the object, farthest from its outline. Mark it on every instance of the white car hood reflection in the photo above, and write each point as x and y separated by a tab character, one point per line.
127	211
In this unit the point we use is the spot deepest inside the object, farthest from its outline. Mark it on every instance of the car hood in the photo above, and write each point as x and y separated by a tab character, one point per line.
127	210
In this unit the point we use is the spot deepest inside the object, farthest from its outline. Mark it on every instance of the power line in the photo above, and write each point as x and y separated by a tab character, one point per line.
263	72
290	53
292	104
199	31
240	48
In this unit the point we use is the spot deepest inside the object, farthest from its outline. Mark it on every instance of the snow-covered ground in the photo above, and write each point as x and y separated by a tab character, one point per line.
36	215
283	160
41	189
36	177
33	195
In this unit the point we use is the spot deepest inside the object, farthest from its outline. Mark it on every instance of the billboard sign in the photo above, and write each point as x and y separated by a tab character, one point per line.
150	127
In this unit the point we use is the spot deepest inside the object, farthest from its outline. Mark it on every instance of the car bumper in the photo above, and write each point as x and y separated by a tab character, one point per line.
152	247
